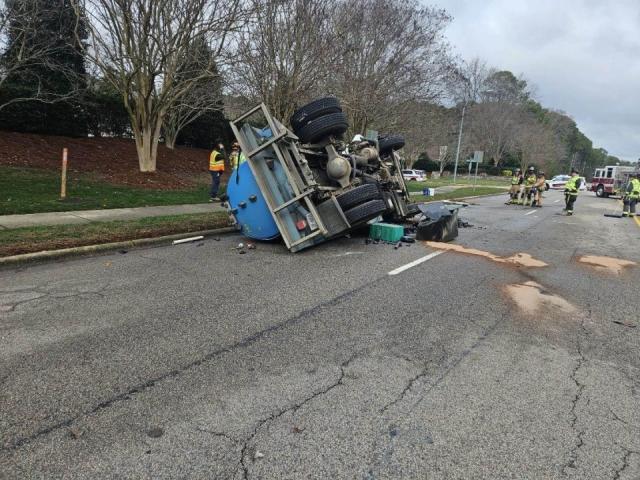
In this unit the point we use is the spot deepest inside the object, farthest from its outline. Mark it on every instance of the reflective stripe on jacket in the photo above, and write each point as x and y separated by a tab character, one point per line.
634	189
216	162
531	180
237	159
572	185
515	180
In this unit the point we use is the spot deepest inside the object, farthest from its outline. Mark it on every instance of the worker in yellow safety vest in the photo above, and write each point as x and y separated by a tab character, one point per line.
216	169
631	196
529	182
236	158
571	189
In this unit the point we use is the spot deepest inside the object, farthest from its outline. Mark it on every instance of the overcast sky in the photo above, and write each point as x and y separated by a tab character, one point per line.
583	56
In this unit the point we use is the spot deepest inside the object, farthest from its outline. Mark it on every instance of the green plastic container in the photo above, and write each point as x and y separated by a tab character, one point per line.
386	232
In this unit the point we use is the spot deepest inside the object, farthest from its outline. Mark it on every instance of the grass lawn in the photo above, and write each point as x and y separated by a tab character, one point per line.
24	190
460	193
462	180
35	239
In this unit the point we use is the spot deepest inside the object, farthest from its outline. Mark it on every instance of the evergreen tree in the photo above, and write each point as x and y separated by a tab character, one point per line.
47	85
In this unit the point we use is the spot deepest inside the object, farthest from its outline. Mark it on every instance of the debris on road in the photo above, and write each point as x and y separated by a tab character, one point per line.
624	324
187	240
606	264
75	432
155	432
518	259
258	455
529	296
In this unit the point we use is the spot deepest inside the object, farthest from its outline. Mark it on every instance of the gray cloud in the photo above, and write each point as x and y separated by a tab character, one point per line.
583	57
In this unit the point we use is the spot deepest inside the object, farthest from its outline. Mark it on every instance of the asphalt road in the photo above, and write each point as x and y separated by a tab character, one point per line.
193	361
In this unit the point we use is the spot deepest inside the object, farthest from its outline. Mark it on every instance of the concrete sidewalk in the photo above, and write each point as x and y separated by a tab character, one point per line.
108	215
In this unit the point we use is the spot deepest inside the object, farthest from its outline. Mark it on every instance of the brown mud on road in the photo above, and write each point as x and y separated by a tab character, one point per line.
518	259
532	298
606	264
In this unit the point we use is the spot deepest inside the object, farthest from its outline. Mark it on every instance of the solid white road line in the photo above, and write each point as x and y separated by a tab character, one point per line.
414	263
532	211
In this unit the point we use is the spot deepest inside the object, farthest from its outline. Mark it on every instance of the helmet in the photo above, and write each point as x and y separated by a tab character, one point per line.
235	145
573	170
532	169
517	170
541	173
357	138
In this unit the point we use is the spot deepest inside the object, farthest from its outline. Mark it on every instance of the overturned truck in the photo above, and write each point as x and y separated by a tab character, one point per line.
306	183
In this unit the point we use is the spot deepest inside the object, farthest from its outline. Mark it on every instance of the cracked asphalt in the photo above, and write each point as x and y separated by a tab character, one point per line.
192	361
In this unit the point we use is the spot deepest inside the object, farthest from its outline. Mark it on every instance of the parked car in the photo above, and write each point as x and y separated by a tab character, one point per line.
559	181
416	175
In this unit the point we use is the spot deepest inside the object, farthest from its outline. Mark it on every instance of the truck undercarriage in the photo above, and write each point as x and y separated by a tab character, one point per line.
308	185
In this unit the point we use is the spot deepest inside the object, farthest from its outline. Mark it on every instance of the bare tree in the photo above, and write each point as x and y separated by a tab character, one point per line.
139	47
32	54
202	97
282	53
387	54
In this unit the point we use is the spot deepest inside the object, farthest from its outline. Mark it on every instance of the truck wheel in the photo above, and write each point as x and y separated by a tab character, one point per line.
600	191
365	211
358	195
313	110
387	143
331	124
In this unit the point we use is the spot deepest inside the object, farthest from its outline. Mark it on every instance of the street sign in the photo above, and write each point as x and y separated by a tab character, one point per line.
478	156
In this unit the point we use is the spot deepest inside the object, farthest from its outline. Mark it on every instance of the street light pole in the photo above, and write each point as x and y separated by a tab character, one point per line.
455	168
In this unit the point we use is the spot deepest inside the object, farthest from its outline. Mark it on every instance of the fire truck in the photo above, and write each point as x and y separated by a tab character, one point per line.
610	180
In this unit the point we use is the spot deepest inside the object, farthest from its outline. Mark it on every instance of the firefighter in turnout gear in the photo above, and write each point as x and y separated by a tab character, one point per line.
516	182
529	182
631	196
539	187
216	169
571	191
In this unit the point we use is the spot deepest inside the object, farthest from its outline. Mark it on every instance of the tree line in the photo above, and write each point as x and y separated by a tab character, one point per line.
166	70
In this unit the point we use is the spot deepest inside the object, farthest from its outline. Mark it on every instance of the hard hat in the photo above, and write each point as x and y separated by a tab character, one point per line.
357	138
540	173
573	170
532	169
518	170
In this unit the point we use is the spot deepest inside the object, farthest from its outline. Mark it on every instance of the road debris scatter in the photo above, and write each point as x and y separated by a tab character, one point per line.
530	296
606	264
519	259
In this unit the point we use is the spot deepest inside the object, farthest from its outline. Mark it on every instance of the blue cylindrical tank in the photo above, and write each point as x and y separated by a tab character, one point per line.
249	206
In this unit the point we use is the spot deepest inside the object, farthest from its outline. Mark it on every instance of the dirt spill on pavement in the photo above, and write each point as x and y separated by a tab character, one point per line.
606	264
519	259
531	298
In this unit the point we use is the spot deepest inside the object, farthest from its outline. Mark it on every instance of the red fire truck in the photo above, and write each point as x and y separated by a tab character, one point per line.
610	180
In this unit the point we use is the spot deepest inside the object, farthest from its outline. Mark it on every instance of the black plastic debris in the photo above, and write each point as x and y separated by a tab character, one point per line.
439	222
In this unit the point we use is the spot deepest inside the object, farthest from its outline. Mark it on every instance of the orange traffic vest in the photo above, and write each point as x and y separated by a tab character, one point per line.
216	162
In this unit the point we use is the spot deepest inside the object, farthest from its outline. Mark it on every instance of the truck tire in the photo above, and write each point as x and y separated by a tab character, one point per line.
600	191
388	143
313	110
331	124
365	211
358	195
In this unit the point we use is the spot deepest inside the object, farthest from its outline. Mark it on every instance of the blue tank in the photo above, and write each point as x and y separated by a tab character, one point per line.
249	206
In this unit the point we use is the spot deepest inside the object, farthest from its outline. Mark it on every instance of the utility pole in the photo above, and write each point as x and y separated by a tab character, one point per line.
455	168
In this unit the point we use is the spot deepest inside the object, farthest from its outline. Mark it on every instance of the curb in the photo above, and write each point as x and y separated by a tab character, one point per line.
102	247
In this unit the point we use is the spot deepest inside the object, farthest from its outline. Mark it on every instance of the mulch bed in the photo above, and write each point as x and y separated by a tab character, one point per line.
113	160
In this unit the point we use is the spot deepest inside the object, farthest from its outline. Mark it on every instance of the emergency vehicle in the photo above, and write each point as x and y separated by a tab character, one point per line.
610	180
